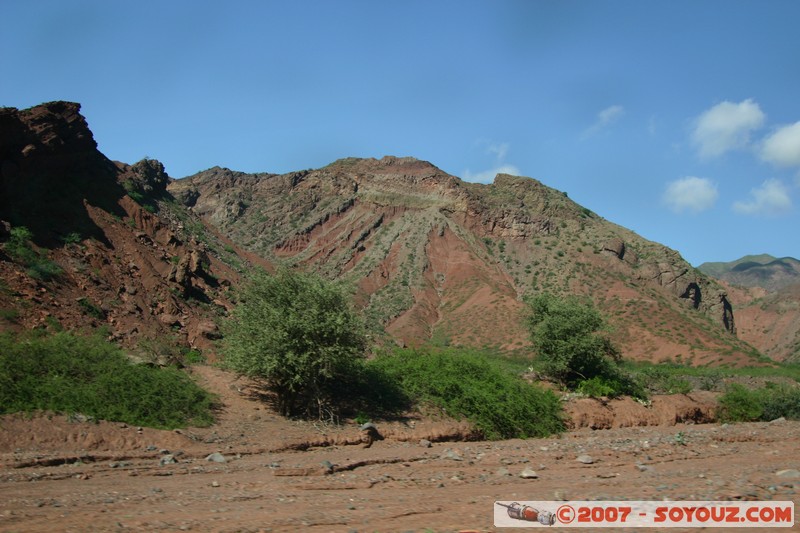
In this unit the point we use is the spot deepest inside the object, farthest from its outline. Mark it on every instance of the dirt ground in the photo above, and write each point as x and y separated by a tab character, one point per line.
59	474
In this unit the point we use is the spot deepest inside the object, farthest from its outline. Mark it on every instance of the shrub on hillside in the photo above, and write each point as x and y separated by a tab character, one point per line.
567	334
475	387
20	249
298	333
72	374
664	380
572	348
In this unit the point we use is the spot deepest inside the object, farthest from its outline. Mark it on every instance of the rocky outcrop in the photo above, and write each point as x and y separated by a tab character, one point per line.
149	177
144	268
50	166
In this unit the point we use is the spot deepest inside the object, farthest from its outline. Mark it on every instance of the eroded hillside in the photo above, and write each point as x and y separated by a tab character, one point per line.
766	290
437	259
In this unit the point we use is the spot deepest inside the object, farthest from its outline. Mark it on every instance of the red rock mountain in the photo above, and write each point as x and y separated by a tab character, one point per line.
430	258
435	259
109	246
767	292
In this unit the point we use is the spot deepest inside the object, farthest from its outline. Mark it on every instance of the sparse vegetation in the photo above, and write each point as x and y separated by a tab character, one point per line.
469	385
20	249
72	238
9	315
90	308
68	373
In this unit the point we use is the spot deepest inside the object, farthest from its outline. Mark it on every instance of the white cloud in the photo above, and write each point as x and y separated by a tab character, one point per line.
726	126
498	149
783	147
605	118
487	176
772	198
690	194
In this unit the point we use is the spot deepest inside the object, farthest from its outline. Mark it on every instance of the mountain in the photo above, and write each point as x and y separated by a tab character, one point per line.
435	259
88	242
762	270
767	292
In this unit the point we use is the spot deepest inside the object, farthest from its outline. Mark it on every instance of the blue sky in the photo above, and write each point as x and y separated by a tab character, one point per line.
679	120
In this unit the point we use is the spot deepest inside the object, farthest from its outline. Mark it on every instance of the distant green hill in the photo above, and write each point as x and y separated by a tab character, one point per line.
762	270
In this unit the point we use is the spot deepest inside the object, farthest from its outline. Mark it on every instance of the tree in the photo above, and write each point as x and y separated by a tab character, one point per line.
567	334
298	333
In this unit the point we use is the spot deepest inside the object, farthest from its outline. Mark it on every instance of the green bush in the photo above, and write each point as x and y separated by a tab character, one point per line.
469	385
298	334
72	238
567	334
369	392
90	308
598	387
781	401
20	249
663	379
740	404
73	374
11	315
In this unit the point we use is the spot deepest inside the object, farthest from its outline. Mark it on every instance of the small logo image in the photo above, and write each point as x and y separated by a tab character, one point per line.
527	513
565	514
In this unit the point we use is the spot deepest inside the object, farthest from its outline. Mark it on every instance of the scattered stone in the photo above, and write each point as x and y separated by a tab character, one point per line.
425	443
169	319
528	474
216	457
215	483
369	434
560	495
585	459
503	472
328	466
780	420
168	459
791	473
208	329
452	455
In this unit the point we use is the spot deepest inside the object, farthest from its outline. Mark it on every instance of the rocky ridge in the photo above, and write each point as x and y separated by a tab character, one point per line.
127	256
437	259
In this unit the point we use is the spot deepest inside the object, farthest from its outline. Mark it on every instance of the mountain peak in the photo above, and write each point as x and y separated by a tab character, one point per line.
387	164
